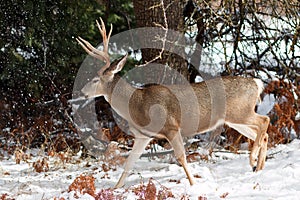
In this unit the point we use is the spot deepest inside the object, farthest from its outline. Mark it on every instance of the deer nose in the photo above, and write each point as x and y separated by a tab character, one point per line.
83	95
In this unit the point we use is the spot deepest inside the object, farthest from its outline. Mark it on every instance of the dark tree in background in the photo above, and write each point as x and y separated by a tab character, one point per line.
164	14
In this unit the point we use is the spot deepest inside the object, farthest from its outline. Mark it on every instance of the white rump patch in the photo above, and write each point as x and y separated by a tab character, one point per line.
260	85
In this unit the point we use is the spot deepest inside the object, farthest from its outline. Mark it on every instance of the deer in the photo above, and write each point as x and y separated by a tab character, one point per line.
154	111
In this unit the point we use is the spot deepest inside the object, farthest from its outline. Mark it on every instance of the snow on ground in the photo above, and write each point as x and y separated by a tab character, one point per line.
224	174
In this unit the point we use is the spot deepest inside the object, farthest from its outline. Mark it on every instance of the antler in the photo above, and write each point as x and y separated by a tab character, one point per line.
92	51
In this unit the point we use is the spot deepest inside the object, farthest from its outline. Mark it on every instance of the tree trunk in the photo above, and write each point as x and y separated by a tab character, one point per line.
151	14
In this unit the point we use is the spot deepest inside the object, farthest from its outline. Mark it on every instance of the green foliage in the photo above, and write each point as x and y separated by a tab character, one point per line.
39	56
38	46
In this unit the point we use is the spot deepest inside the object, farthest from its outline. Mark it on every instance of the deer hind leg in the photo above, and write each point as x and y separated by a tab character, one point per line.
256	130
259	151
175	139
140	143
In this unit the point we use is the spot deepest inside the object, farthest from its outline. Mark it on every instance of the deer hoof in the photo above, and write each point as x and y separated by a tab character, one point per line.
254	169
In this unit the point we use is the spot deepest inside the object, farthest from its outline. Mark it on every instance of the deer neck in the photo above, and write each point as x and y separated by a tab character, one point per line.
118	96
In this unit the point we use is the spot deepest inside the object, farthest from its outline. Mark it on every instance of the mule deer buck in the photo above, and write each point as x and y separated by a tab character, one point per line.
155	111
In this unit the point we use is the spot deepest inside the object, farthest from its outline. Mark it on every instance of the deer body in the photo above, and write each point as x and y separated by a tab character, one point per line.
159	111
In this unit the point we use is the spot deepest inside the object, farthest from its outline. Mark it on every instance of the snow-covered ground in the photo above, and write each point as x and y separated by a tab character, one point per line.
225	175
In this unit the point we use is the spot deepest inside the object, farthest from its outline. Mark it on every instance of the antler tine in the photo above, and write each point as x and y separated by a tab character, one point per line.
106	38
92	51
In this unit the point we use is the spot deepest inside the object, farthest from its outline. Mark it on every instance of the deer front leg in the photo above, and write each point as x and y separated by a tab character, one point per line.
140	142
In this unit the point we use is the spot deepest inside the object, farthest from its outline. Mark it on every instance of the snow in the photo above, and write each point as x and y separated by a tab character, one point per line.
266	104
224	173
297	116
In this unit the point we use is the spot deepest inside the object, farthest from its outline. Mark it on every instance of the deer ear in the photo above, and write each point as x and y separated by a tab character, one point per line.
116	66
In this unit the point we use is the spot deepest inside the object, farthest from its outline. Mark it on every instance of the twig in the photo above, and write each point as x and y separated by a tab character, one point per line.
164	39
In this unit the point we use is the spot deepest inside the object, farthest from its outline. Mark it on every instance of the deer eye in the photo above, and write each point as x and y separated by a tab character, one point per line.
95	80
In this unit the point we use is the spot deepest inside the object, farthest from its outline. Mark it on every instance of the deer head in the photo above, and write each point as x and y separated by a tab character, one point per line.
99	85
